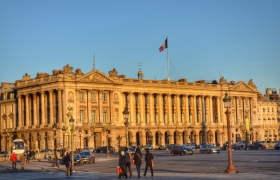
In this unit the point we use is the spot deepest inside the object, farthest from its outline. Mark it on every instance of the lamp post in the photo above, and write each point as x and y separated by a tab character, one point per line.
63	143
71	121
55	157
230	169
80	135
107	142
92	133
126	116
222	133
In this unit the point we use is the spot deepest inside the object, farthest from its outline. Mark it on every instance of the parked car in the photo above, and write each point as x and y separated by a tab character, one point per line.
277	146
161	147
87	157
236	146
46	150
5	153
207	148
132	149
182	150
255	145
78	159
88	149
103	149
150	147
170	146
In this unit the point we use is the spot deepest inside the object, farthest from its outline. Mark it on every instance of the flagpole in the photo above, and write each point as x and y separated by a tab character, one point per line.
168	68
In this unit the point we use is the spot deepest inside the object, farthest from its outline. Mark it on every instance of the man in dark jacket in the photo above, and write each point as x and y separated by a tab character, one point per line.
122	163
138	160
148	158
67	161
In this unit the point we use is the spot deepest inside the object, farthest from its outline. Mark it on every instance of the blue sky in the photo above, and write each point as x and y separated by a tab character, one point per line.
239	39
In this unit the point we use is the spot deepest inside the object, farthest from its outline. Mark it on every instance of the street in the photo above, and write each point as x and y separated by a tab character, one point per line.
261	163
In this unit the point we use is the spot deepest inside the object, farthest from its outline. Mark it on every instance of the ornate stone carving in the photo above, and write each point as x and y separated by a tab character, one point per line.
223	80
67	69
4	116
252	84
79	72
70	97
96	77
42	75
243	87
26	77
113	73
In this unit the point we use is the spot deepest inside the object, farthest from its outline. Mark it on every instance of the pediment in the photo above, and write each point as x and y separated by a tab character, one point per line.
96	77
242	86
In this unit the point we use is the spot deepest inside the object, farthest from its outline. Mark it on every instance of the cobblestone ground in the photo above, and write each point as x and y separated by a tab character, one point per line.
263	164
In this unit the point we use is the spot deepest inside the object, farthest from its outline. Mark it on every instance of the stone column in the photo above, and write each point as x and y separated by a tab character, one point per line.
131	109
210	109
178	118
187	115
194	109
151	109
27	110
20	124
237	109
51	106
60	119
141	113
35	118
110	104
169	109
218	109
160	109
43	107
100	107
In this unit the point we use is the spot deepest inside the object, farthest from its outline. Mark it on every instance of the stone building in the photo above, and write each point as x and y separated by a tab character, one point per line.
160	111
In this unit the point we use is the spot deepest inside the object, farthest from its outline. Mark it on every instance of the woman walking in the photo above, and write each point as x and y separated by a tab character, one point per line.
22	159
148	158
138	160
122	164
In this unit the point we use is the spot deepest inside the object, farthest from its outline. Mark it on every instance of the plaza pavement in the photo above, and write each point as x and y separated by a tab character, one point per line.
44	171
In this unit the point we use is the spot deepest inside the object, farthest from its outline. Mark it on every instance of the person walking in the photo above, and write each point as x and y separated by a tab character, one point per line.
138	160
122	163
129	159
28	156
22	159
148	158
67	161
14	159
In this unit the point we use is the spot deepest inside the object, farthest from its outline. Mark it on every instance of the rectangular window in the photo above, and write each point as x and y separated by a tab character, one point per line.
155	100
173	100
104	116
137	118
103	96
81	96
164	100
181	101
92	96
93	116
272	110
267	109
82	116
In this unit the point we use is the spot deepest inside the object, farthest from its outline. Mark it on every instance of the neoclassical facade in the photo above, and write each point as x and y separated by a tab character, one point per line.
160	111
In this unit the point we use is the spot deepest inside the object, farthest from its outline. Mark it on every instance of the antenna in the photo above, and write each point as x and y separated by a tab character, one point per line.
93	62
140	64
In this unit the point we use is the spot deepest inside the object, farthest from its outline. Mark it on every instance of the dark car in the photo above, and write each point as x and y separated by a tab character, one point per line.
255	145
170	146
87	157
5	153
103	149
236	146
78	159
277	146
181	150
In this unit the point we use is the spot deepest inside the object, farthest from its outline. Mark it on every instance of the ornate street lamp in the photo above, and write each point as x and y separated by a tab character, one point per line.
71	122
126	116
55	157
230	169
80	134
